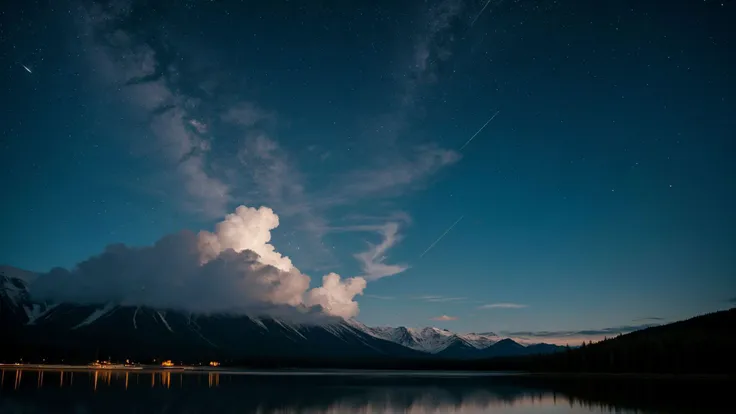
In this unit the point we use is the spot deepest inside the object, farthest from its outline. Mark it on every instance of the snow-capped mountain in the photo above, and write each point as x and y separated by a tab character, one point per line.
431	340
16	306
447	344
83	331
480	340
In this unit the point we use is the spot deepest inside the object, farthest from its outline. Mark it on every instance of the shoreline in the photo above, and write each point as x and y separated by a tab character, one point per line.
386	373
145	368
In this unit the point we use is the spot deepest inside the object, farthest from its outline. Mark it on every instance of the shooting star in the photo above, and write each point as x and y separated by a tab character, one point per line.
26	68
481	129
440	238
481	12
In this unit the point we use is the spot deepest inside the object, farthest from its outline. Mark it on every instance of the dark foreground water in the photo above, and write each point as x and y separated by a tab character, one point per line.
107	391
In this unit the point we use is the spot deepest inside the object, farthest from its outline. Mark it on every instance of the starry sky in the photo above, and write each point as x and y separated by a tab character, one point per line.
599	198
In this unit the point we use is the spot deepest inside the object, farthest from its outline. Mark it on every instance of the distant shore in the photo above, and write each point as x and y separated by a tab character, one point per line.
628	376
147	368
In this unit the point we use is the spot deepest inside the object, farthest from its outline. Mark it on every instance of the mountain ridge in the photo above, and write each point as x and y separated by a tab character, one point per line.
429	339
78	330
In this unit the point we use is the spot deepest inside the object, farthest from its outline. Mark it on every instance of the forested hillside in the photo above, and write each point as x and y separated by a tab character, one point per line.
703	344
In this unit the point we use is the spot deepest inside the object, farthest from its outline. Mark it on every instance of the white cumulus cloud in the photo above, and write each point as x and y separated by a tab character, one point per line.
246	229
336	296
232	270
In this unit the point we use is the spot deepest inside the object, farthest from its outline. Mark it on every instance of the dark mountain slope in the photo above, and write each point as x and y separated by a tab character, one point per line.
503	348
80	333
63	334
459	349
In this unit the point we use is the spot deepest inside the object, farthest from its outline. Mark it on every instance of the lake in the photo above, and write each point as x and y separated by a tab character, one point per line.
239	391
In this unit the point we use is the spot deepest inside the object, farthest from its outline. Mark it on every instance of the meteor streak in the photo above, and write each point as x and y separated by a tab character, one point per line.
440	238
481	12
481	129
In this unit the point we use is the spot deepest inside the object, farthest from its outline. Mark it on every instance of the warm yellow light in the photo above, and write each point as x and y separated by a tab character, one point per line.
214	364
167	363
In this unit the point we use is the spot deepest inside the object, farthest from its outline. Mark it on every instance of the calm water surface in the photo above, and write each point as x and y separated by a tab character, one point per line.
171	391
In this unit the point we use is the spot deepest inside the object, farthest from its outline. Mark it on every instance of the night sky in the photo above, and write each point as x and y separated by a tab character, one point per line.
600	197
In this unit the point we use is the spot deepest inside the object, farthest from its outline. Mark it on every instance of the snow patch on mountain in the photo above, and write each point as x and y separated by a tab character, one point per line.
36	311
433	340
135	314
336	330
258	322
480	340
289	327
97	314
163	319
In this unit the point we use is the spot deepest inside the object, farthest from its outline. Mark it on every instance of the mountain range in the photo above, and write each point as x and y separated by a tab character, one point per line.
83	332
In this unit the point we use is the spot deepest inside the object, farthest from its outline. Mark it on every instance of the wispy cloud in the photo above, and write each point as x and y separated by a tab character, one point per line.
573	337
503	306
393	175
434	298
444	318
650	318
373	260
272	172
385	174
390	171
394	170
603	331
732	300
380	297
374	220
131	63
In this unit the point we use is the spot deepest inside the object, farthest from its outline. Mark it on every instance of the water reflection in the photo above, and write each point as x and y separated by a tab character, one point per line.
106	377
113	391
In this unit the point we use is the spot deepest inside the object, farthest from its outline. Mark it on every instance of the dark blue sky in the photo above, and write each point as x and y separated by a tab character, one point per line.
601	194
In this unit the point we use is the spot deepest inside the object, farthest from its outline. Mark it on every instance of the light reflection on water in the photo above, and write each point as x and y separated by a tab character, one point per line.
118	391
